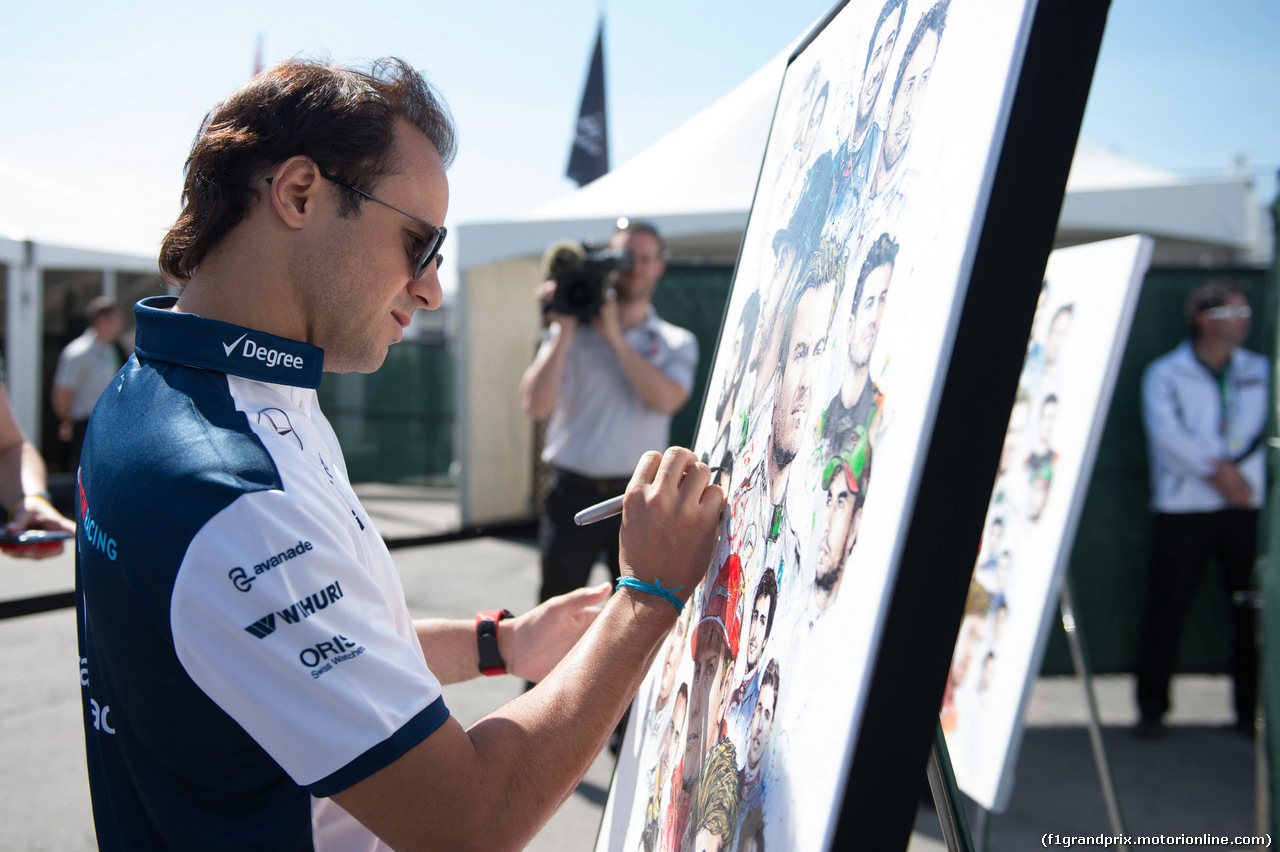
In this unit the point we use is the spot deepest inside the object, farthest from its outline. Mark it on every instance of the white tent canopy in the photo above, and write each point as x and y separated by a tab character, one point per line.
47	223
696	184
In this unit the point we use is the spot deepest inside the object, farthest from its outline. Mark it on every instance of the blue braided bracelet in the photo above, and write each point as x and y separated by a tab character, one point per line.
654	589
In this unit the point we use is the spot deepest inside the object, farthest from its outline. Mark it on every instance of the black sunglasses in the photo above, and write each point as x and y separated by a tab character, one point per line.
431	248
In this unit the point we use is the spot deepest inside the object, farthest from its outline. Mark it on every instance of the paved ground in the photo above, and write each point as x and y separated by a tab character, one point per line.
1200	779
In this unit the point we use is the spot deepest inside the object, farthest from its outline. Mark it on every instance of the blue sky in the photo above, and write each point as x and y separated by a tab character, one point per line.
1185	85
120	90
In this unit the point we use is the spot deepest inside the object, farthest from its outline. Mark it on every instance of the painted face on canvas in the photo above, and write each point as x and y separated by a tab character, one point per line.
1002	616
679	723
1059	327
908	100
761	723
1008	452
670	662
815	123
799	370
877	62
1048	417
665	751
864	323
759	627
1039	317
784	264
995	535
839	531
704	697
1004	566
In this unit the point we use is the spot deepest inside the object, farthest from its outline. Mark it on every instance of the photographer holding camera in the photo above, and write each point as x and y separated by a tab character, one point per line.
610	373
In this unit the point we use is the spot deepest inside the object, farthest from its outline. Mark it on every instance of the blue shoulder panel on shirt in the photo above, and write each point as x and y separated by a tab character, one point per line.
166	450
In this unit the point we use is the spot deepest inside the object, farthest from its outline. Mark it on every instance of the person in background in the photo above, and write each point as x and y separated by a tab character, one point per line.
85	368
24	490
610	386
1204	408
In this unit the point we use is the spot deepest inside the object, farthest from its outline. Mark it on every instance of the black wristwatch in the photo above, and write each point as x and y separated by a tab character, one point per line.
491	662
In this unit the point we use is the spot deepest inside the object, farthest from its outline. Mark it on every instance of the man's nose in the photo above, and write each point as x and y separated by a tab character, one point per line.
427	287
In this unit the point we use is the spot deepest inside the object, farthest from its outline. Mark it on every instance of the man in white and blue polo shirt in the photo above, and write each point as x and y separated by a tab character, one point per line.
1204	408
252	677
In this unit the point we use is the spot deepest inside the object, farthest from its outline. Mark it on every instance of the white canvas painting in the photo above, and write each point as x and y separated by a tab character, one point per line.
1077	340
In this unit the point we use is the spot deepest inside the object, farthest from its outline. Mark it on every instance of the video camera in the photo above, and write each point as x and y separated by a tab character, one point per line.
579	271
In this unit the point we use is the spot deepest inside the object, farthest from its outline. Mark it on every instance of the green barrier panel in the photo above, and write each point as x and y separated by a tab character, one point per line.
693	296
396	424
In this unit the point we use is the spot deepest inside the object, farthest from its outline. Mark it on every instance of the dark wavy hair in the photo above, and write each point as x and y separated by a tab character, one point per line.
883	252
890	6
340	117
935	19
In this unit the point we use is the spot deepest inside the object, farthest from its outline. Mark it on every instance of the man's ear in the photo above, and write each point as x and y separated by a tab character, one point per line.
292	188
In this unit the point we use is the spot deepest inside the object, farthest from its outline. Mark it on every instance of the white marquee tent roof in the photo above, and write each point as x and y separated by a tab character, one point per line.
700	178
48	219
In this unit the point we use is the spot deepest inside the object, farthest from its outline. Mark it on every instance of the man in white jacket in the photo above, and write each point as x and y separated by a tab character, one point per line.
1204	407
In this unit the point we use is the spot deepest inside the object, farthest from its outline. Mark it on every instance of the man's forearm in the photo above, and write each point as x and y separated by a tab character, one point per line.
495	785
656	389
530	644
565	722
13	483
449	646
60	400
540	384
510	771
35	479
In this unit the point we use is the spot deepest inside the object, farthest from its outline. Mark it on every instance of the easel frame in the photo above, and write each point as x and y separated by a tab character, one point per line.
946	523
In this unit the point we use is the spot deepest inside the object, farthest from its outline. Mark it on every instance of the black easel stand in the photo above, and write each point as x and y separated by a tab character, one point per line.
1078	658
946	796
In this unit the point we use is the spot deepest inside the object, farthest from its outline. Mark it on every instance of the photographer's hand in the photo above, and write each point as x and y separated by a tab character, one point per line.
543	294
607	323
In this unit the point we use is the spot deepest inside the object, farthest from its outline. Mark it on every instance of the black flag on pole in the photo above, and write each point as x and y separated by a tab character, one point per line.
589	158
